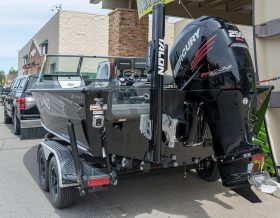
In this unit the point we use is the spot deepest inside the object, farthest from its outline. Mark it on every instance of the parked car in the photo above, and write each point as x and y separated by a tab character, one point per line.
1	91
4	93
19	103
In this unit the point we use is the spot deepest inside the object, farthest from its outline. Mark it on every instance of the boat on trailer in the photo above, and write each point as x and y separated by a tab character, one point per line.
98	112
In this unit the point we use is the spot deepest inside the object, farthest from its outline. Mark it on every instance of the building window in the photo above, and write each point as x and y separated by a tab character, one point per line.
44	47
25	60
53	66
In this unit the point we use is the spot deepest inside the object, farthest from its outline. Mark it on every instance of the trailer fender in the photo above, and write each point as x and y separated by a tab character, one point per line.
65	162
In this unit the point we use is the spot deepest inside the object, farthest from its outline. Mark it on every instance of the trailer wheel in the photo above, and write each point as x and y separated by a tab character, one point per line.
43	170
209	172
60	197
7	119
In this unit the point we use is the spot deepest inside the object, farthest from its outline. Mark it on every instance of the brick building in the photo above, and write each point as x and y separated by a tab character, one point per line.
67	32
10	78
120	33
71	32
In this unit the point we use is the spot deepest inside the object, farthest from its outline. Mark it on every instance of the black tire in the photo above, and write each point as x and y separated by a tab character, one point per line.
210	171
43	167
60	197
7	119
16	124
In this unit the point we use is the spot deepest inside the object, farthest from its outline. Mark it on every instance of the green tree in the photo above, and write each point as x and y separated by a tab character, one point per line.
13	72
2	77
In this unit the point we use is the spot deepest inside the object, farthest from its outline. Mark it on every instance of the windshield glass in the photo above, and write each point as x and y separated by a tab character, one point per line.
90	67
61	65
31	82
96	71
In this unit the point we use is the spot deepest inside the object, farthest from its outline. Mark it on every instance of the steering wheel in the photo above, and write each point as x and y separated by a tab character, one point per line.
131	76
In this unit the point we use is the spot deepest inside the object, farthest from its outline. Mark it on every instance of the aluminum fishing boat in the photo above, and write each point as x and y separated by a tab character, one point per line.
105	106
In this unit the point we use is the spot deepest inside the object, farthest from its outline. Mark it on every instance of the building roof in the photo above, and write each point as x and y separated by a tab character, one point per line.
235	11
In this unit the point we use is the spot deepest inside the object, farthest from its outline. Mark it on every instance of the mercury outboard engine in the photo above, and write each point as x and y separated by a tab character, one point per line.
210	59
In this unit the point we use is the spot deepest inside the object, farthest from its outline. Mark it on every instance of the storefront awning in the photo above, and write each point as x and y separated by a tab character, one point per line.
235	11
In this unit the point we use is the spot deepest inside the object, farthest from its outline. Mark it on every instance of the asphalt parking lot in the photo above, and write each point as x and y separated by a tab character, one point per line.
164	195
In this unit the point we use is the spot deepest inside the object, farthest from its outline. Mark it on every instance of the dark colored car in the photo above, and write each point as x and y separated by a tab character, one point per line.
19	103
1	92
4	93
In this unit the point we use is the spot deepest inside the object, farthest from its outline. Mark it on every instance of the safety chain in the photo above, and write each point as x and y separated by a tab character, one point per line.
268	80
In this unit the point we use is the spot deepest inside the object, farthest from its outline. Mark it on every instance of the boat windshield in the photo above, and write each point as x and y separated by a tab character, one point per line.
95	71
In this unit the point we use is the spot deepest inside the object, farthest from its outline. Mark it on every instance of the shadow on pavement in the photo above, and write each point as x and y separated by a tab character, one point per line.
248	194
10	127
165	193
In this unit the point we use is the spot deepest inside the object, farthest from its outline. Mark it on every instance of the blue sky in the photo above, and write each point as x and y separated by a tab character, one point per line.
20	20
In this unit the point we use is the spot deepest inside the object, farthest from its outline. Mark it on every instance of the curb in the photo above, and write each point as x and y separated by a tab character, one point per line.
277	193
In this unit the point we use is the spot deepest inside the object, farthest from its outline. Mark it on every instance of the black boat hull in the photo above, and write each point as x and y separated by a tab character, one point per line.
123	136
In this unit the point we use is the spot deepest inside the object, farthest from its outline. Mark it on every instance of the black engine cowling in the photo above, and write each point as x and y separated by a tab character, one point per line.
216	52
211	62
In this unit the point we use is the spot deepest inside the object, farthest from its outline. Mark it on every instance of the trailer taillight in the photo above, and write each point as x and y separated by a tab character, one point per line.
258	162
257	157
21	103
98	181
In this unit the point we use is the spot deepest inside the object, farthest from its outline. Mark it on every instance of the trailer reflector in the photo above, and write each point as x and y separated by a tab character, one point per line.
98	181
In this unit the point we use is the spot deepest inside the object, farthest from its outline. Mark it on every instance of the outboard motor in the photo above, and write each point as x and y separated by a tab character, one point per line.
211	61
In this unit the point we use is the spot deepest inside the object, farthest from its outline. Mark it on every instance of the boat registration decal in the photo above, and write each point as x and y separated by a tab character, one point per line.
98	108
97	112
94	107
